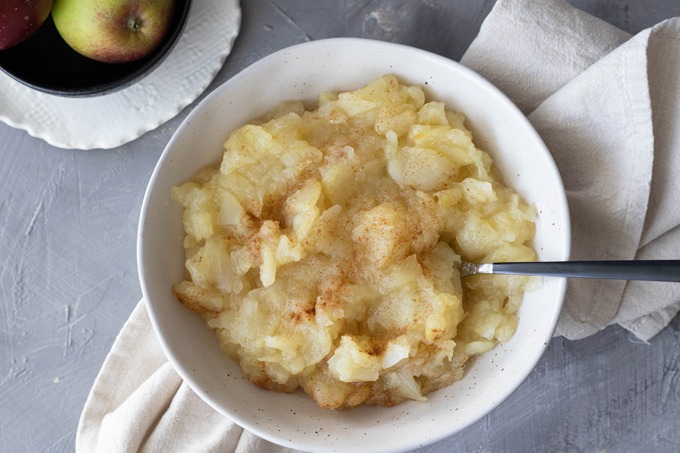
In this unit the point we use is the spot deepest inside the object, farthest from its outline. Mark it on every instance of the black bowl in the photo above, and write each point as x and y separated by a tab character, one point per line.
46	63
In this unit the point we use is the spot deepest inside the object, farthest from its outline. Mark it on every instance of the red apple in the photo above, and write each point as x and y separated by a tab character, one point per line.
113	31
19	19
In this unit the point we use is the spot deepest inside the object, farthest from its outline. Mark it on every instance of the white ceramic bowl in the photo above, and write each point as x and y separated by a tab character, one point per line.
300	73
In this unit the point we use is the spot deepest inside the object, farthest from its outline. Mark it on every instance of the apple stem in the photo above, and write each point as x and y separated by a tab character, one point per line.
134	23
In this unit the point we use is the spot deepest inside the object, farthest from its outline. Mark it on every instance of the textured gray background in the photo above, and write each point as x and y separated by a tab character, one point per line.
68	276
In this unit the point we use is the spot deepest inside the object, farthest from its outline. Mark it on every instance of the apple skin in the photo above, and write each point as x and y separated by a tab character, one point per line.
19	19
113	31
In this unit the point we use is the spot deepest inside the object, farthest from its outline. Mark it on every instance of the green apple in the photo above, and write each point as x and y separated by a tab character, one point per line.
113	31
19	19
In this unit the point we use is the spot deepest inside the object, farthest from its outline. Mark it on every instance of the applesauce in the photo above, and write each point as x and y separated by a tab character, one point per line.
324	249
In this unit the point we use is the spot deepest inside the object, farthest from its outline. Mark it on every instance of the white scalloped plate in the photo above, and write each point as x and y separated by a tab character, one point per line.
114	119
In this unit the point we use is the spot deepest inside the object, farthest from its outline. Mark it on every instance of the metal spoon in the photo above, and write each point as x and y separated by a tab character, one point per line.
654	270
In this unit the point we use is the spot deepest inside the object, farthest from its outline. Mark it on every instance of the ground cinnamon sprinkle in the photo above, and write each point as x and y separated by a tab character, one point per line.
323	250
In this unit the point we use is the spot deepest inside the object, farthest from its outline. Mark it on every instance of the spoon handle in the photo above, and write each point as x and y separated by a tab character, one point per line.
654	270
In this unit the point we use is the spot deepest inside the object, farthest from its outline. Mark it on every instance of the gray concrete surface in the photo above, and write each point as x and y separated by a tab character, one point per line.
68	277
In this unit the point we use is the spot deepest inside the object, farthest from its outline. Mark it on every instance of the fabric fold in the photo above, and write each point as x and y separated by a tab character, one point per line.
606	105
606	171
530	49
139	403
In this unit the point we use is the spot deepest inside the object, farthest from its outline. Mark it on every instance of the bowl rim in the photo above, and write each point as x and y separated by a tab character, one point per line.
484	84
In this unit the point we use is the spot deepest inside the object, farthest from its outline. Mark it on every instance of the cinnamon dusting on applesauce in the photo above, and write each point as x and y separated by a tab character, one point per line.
324	249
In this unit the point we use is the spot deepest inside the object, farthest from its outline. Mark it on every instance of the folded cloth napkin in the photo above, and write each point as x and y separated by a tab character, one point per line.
139	404
608	107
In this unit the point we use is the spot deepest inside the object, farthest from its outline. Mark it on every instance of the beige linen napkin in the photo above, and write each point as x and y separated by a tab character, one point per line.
139	404
608	107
